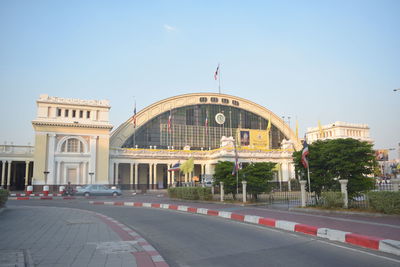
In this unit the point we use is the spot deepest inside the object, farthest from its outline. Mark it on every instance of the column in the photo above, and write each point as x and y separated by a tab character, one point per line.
84	173
58	173
116	173
168	174
78	174
136	175
3	169
50	159
110	171
303	192
27	172
9	174
244	183
93	152
155	176
221	184
343	189
150	174
131	176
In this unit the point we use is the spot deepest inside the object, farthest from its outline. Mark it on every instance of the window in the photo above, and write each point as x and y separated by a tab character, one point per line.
66	113
58	112
88	114
72	145
214	99
80	113
234	102
225	101
73	113
203	99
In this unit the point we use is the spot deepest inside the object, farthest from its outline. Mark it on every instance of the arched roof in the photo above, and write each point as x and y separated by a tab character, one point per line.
126	129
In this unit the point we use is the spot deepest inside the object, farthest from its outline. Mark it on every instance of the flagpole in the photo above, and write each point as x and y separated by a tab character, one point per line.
219	80
309	183
134	131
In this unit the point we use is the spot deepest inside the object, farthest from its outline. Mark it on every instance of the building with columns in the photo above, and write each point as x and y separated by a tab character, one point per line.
74	142
338	130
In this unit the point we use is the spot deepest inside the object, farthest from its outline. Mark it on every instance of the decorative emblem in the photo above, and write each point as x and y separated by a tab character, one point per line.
220	118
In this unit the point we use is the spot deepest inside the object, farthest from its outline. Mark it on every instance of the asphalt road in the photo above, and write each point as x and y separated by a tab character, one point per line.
195	240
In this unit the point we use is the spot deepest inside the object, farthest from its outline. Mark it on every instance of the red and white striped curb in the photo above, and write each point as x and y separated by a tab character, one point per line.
39	197
35	195
376	243
149	256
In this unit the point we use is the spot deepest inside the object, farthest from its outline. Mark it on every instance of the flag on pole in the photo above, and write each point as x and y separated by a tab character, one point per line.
175	167
304	154
206	124
134	116
216	73
236	166
169	121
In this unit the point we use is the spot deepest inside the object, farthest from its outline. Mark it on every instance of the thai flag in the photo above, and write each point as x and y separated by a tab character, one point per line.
169	122
235	167
134	116
206	124
304	154
216	73
175	167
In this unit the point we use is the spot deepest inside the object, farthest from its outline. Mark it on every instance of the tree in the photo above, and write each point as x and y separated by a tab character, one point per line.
330	160
258	176
223	173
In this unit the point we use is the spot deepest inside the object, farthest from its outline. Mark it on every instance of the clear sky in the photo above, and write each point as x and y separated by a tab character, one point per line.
311	60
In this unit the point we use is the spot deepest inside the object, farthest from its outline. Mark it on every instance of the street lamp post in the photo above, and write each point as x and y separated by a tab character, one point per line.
45	176
91	177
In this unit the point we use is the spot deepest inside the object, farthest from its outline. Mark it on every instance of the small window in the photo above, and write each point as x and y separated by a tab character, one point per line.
88	114
80	113
58	112
73	113
234	102
214	99
203	99
225	101
66	112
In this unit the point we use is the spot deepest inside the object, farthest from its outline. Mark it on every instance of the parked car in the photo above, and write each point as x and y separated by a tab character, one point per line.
98	190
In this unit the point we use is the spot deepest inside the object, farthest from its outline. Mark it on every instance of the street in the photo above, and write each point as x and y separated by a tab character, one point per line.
196	240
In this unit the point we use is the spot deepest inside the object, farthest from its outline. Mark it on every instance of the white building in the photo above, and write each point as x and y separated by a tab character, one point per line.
338	130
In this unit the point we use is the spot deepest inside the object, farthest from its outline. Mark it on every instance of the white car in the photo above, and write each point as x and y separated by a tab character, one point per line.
98	190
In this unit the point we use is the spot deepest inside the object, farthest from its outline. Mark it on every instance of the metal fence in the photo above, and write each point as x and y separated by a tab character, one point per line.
361	201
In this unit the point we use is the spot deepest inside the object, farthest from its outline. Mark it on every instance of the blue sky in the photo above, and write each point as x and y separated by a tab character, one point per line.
311	60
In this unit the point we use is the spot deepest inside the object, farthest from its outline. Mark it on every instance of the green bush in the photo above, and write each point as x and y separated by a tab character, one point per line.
190	193
332	199
384	201
3	197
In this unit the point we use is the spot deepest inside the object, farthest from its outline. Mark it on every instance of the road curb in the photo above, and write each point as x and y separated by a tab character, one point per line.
370	242
149	256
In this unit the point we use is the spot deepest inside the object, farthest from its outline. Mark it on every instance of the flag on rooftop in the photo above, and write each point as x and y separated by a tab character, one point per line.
216	73
134	116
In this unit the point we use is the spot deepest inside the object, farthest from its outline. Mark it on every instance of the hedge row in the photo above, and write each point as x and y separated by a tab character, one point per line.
3	197
332	199
190	193
384	201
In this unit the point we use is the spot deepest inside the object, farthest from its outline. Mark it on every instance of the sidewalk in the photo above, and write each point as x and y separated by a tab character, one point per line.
48	236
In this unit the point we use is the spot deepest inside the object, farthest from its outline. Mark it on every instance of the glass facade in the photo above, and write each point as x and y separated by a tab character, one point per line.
188	127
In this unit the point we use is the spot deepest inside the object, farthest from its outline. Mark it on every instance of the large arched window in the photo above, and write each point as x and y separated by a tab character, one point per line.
72	145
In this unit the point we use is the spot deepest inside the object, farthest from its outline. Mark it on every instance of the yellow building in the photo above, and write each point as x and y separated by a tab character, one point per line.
74	142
